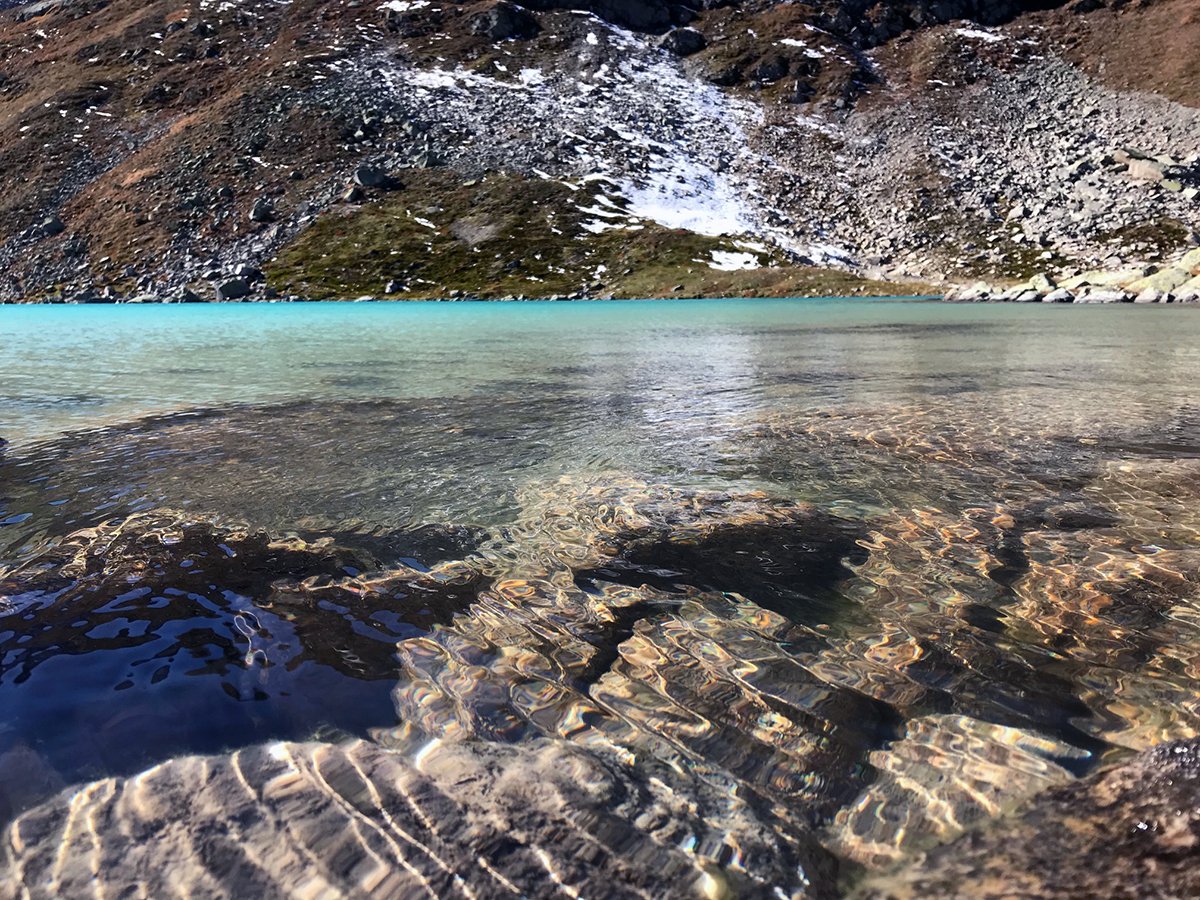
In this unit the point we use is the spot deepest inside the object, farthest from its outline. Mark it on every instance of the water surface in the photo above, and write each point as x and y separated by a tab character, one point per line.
871	571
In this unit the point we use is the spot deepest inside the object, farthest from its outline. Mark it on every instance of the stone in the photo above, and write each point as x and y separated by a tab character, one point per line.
263	210
1130	830
52	226
371	177
1189	289
250	273
233	289
1145	170
1103	295
683	41
1059	296
1042	282
771	69
1190	262
505	22
1028	297
1162	281
187	295
1149	295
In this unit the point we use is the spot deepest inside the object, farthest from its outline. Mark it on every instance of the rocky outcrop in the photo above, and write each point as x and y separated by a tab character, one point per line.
802	128
1175	282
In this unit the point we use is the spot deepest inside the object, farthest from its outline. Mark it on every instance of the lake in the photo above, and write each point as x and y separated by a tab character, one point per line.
705	596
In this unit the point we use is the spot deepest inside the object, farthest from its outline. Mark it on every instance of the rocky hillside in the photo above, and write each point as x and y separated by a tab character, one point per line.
201	149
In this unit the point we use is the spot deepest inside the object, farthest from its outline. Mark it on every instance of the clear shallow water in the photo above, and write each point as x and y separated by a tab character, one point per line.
877	570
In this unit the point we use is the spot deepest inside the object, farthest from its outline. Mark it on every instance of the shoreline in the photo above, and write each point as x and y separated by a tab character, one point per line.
440	300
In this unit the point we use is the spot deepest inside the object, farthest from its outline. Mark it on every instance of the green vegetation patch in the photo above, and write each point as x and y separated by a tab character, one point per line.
507	236
1160	235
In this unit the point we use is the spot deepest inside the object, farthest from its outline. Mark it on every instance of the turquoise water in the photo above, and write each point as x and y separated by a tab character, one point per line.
67	367
843	577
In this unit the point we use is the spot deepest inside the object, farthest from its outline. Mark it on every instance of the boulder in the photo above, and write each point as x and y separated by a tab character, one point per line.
1190	262
505	22
1145	170
1059	297
250	273
770	69
1149	295
683	41
1042	282
263	210
374	177
1027	297
1103	295
1189	291
653	16
52	226
1166	280
233	289
1132	830
1105	277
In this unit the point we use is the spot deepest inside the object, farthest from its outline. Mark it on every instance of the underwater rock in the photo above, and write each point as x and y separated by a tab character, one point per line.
1130	831
311	819
159	634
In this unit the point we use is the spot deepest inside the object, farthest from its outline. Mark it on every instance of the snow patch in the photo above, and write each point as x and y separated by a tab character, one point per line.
979	35
729	261
402	6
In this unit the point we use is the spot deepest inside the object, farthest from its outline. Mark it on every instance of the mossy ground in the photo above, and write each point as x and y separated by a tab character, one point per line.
503	236
1161	235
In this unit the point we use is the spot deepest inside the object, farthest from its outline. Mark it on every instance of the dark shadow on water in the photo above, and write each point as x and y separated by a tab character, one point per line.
787	569
154	639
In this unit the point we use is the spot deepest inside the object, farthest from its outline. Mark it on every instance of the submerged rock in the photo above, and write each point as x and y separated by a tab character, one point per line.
158	635
1130	831
311	819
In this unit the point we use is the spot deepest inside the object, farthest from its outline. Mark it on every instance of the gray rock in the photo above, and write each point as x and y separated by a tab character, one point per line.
1061	295
263	210
1103	295
52	226
375	178
233	289
683	41
1146	170
505	22
1042	282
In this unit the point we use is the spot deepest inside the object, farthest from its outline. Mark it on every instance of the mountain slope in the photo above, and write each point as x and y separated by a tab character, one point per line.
167	149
